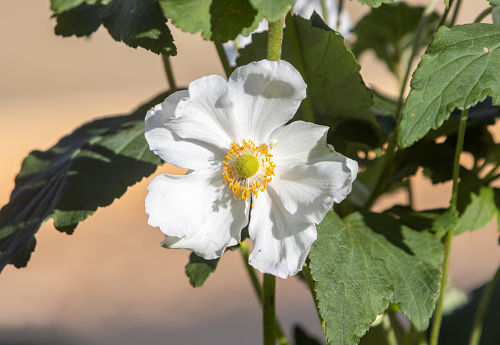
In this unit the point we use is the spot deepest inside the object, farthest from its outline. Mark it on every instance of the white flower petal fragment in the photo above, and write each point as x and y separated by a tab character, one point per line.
182	206
281	242
169	146
268	94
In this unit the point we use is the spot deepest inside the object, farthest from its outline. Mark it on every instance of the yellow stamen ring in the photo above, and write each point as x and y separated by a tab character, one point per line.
248	169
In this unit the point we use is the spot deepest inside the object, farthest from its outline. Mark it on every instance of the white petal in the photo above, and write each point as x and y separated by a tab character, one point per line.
299	143
309	191
182	205
206	114
280	241
170	147
221	229
267	94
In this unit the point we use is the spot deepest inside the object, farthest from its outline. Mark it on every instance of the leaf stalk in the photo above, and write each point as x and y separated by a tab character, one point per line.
169	73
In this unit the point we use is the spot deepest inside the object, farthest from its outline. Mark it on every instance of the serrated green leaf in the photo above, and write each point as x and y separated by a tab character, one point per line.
448	221
352	285
375	3
137	23
412	257
337	92
218	20
388	31
273	10
364	261
87	169
198	269
458	70
479	212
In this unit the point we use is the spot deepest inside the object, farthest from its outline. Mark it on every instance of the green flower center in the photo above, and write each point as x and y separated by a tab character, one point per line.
247	165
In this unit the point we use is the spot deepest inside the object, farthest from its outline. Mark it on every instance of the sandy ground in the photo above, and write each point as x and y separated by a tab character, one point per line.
110	282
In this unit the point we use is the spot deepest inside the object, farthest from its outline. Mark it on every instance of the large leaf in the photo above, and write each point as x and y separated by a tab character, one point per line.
218	20
137	23
87	169
335	88
367	260
352	285
273	10
388	31
458	70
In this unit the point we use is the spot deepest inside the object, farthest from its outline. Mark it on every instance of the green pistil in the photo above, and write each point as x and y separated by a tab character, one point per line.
247	165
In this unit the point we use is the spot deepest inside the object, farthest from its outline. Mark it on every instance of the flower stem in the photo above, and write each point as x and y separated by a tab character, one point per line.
311	284
339	13
268	302
390	336
258	290
438	316
275	39
477	327
291	30
455	12
223	58
324	11
483	14
169	72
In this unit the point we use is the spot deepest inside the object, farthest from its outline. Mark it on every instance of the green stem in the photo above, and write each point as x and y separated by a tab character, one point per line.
169	73
444	15
324	11
268	302
339	13
477	327
438	316
311	284
455	13
410	336
293	37
223	59
275	39
422	339
258	291
251	271
390	336
483	14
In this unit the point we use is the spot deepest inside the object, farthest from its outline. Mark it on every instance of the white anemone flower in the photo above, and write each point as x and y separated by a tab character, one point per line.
245	163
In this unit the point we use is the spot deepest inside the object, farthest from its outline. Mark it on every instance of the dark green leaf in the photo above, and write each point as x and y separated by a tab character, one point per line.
273	10
137	23
352	285
198	269
479	212
458	70
494	2
388	31
338	95
218	20
302	338
87	169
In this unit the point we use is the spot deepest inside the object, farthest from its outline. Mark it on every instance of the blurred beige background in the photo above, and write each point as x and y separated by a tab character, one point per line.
111	282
